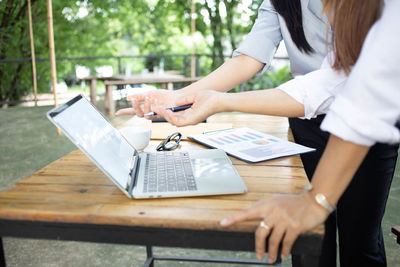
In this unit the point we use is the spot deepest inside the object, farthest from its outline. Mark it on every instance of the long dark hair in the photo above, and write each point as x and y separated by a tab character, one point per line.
290	10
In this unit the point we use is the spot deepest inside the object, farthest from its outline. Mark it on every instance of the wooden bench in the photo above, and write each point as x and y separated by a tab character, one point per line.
167	80
396	231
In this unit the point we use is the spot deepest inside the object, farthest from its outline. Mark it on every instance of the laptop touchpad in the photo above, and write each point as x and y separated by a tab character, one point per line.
204	167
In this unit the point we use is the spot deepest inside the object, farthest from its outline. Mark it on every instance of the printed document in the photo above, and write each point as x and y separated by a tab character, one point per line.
250	145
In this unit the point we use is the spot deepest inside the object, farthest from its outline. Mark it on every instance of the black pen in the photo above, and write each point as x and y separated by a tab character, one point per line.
173	109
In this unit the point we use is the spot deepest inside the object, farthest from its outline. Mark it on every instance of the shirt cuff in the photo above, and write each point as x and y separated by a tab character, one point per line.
315	102
334	124
351	124
292	89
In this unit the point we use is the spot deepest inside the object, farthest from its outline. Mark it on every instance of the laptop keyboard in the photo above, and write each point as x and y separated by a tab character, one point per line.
168	172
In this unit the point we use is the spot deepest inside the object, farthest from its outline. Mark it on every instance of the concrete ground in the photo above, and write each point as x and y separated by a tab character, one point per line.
28	142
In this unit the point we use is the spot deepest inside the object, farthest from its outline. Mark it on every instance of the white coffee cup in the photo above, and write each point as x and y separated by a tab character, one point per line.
138	137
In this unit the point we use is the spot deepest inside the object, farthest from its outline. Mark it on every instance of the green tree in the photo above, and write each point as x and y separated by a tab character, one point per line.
109	28
12	27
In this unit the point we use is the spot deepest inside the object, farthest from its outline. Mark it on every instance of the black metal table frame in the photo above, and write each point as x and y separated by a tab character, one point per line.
305	252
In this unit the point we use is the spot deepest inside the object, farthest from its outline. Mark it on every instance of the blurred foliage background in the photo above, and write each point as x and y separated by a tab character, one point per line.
123	34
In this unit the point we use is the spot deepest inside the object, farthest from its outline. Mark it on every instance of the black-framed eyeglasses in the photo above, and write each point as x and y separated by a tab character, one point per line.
170	143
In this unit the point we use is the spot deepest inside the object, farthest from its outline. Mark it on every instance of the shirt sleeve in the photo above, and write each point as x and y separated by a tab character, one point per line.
315	90
264	38
367	109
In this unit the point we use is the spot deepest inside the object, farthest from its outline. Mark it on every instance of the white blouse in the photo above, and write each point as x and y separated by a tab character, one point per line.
364	107
316	90
270	29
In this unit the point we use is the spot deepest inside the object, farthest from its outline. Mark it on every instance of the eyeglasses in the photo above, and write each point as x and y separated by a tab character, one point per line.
170	143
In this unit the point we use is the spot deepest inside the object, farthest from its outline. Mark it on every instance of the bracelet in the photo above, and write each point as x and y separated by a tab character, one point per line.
321	200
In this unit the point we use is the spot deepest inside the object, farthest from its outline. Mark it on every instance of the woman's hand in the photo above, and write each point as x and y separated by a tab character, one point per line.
205	104
141	103
285	217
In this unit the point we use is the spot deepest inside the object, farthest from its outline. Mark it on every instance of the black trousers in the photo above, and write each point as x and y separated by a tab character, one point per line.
360	210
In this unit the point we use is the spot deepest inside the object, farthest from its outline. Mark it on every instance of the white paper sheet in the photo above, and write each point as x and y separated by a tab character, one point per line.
250	145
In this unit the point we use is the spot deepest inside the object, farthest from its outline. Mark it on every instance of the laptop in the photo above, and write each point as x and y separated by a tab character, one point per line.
145	175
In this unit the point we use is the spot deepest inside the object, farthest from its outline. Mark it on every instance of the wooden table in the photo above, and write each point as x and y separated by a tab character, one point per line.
167	79
71	199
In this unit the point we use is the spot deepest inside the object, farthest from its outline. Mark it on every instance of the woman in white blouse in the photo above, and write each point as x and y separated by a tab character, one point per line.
361	206
364	113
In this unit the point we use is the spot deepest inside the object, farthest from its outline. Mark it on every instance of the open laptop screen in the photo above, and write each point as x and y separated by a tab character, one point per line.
90	131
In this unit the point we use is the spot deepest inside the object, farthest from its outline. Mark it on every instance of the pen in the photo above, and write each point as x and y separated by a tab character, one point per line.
174	109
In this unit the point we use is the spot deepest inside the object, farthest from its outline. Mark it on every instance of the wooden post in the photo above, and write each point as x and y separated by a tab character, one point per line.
193	29
51	50
52	53
32	53
93	82
109	102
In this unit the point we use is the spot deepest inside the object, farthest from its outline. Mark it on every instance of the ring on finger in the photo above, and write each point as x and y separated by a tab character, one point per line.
264	225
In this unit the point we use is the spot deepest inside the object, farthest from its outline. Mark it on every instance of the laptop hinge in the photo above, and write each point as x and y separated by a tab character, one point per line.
134	172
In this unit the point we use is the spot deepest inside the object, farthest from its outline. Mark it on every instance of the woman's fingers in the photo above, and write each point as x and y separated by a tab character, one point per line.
286	218
135	102
136	105
138	97
142	103
261	234
288	241
180	118
147	107
126	111
201	109
168	115
236	218
184	100
175	119
135	109
274	241
252	213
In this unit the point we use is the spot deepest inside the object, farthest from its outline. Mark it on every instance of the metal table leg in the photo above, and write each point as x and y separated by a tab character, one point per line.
150	259
2	256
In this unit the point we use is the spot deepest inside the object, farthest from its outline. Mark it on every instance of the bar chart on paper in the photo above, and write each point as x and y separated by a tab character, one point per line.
250	145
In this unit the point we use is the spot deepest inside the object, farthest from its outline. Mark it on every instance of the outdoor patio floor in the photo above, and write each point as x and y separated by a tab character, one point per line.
29	142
